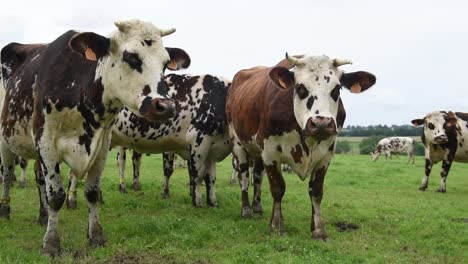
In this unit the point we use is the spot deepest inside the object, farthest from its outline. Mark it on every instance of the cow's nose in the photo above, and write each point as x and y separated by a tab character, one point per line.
320	127
441	139
158	109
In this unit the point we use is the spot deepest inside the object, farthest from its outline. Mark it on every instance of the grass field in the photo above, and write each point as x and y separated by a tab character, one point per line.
397	223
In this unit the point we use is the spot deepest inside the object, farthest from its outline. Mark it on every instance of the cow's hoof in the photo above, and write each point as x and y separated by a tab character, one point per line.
122	188
422	188
246	212
165	194
136	186
43	217
277	227
440	190
257	208
212	204
5	211
71	204
22	184
51	246
97	238
319	234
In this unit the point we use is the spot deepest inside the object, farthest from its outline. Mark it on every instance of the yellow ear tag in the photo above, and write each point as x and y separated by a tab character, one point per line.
172	65
282	83
356	88
90	55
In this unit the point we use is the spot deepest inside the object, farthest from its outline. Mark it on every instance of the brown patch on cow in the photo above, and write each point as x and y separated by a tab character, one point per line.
296	153
345	226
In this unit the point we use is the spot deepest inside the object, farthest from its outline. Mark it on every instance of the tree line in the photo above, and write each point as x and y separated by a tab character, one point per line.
381	130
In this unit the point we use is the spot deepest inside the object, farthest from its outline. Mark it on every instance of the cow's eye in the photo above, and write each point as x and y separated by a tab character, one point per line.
335	93
301	91
430	126
133	60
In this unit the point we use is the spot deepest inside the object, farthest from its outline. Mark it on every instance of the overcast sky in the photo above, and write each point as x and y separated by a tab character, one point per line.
417	49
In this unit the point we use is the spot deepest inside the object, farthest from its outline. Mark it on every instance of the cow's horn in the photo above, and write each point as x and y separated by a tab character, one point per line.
123	26
339	62
165	32
294	61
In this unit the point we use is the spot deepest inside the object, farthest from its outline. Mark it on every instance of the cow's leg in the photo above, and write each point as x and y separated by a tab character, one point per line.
168	161
446	164
197	173
92	191
233	179
317	227
427	171
71	194
40	182
121	157
210	179
55	197
242	168
136	161
277	188
23	165
7	169
257	176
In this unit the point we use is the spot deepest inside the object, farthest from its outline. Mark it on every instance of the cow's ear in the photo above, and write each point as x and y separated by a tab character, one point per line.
90	45
357	82
179	59
417	122
282	77
450	119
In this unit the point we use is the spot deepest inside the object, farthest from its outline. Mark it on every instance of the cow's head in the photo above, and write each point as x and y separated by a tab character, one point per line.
375	155
435	126
317	82
131	63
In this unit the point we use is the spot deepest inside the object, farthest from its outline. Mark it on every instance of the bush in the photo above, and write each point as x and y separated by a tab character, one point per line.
419	149
343	147
367	145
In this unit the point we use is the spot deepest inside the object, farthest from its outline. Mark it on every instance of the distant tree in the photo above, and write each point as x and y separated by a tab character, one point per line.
367	145
418	149
343	147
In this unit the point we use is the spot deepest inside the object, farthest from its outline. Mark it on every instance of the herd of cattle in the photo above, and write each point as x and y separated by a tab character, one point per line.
73	99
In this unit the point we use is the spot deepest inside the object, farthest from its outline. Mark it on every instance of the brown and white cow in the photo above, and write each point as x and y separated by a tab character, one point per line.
60	100
278	115
389	145
445	138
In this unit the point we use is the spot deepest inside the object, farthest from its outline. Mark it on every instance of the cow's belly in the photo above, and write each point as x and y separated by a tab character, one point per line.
170	143
21	142
220	148
293	153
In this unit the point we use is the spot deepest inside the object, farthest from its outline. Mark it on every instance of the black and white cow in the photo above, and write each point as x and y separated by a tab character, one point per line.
198	132
278	115
389	145
445	138
60	100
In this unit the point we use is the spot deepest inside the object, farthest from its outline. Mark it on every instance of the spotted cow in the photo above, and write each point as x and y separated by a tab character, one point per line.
60	100
278	115
445	138
389	145
198	132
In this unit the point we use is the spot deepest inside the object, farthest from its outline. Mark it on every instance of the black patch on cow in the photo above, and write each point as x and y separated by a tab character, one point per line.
92	195
57	168
327	78
310	102
149	42
301	91
317	112
146	90
162	88
279	148
133	60
332	147
335	93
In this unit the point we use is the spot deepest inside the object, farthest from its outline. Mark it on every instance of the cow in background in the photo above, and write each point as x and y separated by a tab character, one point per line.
445	138
59	102
278	115
390	145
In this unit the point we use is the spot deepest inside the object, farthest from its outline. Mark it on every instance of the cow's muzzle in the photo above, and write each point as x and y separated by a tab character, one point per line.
320	128
442	139
158	109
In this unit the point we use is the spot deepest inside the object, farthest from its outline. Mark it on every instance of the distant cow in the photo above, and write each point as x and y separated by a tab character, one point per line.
277	115
390	145
445	137
61	98
198	131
